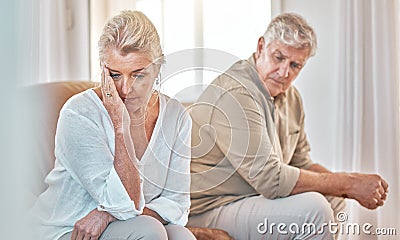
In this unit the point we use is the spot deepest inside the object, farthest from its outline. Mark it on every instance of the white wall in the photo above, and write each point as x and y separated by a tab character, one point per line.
317	82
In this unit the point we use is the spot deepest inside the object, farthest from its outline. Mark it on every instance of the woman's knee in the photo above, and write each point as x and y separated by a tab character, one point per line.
151	229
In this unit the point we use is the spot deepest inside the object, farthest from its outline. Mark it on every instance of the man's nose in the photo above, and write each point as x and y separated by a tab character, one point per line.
284	69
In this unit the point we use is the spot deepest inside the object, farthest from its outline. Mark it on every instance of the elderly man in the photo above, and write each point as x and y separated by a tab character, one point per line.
251	170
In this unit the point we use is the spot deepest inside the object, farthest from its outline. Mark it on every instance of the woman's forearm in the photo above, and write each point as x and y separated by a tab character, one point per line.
125	166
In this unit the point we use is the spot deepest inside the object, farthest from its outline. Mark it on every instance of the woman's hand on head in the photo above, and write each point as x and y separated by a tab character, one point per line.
112	102
92	225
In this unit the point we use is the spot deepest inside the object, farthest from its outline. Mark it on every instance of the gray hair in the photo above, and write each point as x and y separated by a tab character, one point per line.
128	32
291	29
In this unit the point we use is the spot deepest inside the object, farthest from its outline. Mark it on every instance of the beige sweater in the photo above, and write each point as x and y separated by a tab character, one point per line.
244	142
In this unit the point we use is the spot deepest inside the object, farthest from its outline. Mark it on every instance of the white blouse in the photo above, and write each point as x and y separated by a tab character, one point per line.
84	177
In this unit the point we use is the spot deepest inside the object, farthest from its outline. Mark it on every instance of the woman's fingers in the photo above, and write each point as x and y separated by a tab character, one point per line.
80	236
108	88
107	81
74	234
103	81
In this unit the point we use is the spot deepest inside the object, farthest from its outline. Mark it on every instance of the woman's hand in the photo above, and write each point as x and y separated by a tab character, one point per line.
112	102
92	225
125	156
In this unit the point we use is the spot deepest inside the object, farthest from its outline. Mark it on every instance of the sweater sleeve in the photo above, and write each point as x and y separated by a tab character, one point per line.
82	148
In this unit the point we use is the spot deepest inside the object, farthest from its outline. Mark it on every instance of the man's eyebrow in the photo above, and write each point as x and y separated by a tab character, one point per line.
284	56
279	52
300	62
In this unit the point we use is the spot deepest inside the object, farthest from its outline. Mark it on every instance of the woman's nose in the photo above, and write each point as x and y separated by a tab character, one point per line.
127	84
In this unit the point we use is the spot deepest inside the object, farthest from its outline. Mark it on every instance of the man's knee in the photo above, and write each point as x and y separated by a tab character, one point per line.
338	204
176	232
318	208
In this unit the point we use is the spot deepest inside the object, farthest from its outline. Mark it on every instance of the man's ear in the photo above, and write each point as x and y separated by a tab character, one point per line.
260	46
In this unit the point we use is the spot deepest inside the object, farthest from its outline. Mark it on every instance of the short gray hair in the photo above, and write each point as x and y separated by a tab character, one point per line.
293	30
128	32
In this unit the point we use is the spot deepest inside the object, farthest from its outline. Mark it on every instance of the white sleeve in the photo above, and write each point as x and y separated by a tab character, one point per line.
82	148
174	202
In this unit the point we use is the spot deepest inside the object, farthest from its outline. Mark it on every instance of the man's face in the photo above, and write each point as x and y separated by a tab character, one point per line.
278	65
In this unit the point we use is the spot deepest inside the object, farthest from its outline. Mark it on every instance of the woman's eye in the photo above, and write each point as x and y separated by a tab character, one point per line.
138	76
115	76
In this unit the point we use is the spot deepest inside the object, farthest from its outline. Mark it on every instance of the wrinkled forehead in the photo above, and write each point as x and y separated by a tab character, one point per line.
300	54
113	57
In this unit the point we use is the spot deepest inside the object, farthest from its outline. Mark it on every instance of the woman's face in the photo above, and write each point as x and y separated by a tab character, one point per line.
133	75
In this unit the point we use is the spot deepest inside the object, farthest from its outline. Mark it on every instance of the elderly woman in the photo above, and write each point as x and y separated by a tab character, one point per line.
122	149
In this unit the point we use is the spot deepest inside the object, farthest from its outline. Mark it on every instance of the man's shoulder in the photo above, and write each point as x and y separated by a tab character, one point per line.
239	79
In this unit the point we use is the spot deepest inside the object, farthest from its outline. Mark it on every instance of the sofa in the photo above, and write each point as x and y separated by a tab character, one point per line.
46	101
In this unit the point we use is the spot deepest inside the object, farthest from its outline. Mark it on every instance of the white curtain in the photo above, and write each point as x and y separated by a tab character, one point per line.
368	115
54	37
59	37
63	40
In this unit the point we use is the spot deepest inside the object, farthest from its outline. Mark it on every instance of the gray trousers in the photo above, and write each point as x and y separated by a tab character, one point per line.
141	227
293	217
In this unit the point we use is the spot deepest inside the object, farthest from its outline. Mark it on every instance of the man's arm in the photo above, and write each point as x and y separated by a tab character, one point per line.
248	144
368	189
151	213
318	168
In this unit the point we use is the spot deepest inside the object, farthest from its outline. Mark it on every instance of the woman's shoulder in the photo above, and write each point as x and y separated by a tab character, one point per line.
82	103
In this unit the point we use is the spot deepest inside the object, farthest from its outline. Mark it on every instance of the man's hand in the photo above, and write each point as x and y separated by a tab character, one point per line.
92	225
151	213
370	190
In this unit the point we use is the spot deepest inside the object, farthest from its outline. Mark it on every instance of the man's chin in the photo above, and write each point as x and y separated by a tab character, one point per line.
273	90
